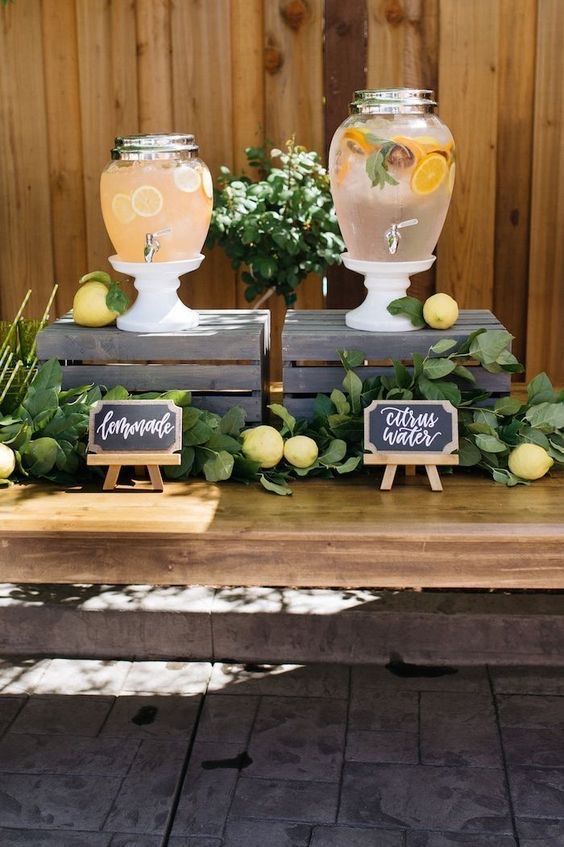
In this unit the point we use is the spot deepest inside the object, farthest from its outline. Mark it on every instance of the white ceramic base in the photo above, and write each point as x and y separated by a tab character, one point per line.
157	307
385	281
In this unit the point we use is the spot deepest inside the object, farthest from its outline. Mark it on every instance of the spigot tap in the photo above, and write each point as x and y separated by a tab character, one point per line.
152	243
393	234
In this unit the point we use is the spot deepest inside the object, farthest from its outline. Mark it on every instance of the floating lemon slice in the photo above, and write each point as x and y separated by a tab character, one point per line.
187	179
429	174
207	183
147	201
451	176
121	207
413	146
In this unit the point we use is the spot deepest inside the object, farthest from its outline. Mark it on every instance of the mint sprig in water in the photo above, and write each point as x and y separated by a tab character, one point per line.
377	164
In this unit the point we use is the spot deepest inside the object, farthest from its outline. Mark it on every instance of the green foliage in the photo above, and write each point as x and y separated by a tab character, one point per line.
282	227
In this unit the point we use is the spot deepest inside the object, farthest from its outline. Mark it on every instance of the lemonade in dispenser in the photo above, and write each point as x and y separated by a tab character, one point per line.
157	197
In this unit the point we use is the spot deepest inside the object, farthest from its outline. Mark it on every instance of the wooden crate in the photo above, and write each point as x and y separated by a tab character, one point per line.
310	340
223	362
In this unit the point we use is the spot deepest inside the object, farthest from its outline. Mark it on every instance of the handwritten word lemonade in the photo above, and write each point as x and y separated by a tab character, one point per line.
156	184
392	169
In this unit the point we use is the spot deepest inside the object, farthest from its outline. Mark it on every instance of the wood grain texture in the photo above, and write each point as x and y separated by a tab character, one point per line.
62	98
474	535
468	81
154	65
546	290
516	91
25	213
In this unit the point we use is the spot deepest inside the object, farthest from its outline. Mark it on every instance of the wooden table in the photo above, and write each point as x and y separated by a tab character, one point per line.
345	533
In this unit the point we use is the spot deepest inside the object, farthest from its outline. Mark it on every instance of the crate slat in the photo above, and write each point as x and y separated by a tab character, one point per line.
311	339
224	361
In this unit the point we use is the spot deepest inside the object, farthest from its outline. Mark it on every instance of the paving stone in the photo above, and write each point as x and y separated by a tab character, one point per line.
158	755
535	680
206	793
282	680
298	738
63	715
226	718
136	841
380	678
56	754
388	710
37	838
9	708
272	799
82	676
535	747
535	711
152	716
537	792
183	678
537	833
20	675
459	729
143	803
348	836
260	833
194	842
56	802
393	747
420	797
454	839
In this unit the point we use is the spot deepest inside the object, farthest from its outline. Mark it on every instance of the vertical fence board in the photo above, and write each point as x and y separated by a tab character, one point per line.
345	56
546	291
468	90
154	65
65	147
25	222
201	75
517	35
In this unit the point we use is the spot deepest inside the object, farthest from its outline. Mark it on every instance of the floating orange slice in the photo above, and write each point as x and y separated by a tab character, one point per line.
356	140
412	145
147	201
429	174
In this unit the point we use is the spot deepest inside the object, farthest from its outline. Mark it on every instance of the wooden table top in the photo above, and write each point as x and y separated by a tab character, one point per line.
342	533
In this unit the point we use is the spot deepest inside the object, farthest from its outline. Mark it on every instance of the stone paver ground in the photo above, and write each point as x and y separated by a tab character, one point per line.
149	754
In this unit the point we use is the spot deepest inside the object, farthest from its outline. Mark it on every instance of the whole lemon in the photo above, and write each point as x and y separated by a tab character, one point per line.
89	305
529	461
263	444
7	461
440	311
300	451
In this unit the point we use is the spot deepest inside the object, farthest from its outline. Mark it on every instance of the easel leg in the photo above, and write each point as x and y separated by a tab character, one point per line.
388	479
155	477
111	477
410	470
434	478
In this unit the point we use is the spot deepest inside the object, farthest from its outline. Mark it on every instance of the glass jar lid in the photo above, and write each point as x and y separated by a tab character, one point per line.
161	145
392	101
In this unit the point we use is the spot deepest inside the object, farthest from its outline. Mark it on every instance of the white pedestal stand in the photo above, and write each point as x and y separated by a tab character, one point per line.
157	307
385	281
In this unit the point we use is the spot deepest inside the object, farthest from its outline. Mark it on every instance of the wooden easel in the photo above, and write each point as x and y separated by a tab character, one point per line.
411	461
151	461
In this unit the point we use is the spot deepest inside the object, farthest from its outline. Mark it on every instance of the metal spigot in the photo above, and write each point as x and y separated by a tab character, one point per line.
393	234
152	243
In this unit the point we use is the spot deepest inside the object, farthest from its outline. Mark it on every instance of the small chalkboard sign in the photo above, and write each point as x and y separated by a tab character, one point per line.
134	432
411	433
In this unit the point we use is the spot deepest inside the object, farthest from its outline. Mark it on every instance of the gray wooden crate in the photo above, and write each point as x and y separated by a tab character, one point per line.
224	361
310	340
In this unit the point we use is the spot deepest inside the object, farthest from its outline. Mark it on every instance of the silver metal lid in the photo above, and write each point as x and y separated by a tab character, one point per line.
161	145
393	101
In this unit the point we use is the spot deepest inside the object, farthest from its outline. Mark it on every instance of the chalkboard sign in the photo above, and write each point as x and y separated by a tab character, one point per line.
410	426
135	426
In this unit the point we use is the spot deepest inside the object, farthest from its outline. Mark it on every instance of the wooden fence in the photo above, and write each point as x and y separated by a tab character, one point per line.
77	72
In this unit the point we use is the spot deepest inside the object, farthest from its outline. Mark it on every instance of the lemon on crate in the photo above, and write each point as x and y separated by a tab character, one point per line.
89	305
263	444
440	311
529	461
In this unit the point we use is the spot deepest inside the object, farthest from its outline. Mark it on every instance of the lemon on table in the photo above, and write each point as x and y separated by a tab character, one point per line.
89	305
7	461
300	451
147	201
187	179
122	209
263	444
529	461
429	174
440	311
207	183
